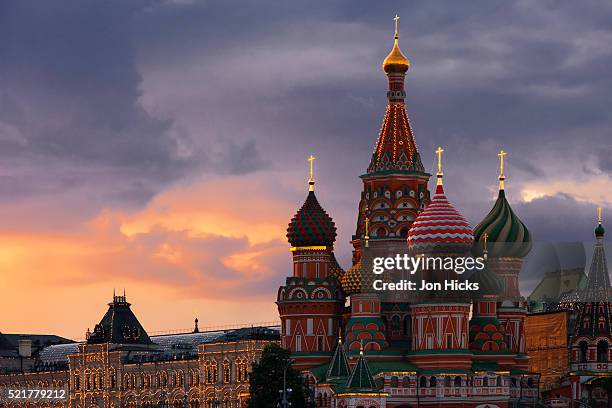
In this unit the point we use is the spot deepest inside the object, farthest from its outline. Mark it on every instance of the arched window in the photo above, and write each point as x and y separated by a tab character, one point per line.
582	358
423	382
112	377
394	381
77	380
457	382
432	381
395	323
601	323
406	382
227	373
447	381
602	351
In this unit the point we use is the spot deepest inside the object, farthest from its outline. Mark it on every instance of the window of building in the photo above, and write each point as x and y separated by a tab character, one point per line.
602	351
584	347
429	340
320	343
449	341
227	372
298	343
288	327
309	324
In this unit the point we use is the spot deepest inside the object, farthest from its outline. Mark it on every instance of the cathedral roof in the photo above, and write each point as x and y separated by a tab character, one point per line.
396	150
489	283
440	227
595	300
396	61
597	288
311	226
4	343
361	377
119	325
507	236
357	279
339	366
335	269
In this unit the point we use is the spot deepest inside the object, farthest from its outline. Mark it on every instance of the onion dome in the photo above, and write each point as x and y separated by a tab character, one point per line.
396	61
440	227
311	226
506	234
354	279
489	284
335	269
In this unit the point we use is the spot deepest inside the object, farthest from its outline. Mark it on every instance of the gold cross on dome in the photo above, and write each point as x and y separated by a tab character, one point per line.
439	153
501	156
396	19
311	180
440	174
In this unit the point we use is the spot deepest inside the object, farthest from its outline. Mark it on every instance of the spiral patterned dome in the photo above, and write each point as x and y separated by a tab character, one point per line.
489	284
507	236
311	226
440	228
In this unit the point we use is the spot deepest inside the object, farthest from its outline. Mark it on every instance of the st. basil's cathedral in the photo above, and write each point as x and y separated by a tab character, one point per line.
360	348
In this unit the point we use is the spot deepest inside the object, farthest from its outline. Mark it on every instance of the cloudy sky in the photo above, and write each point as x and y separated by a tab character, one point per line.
160	146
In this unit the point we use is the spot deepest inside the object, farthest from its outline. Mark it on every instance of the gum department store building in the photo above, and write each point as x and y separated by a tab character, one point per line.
357	348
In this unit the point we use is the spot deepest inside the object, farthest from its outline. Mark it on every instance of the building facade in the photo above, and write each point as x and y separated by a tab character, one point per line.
361	348
121	366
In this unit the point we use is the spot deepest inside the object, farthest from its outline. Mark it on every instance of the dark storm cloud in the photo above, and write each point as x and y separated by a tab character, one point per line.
559	218
70	111
127	97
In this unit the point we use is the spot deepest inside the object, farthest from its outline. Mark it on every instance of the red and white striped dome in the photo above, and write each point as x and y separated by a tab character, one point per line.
440	228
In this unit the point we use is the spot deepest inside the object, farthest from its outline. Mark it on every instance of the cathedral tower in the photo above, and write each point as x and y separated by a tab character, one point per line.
395	183
508	242
310	303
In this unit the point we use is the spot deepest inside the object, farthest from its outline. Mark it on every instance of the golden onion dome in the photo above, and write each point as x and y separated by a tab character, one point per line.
396	61
352	280
357	279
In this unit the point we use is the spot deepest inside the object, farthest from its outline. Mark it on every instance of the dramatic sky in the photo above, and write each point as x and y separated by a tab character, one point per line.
160	146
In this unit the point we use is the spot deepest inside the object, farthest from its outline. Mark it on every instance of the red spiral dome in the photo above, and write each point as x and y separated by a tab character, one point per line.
440	228
311	226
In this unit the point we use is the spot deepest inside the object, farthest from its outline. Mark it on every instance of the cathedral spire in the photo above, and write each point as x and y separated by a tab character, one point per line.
598	287
395	148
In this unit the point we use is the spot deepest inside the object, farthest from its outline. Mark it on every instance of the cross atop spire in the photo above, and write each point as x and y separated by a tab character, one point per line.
396	19
311	180
502	177
440	174
599	218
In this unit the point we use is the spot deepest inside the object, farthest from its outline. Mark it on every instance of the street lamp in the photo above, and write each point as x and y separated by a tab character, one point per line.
285	392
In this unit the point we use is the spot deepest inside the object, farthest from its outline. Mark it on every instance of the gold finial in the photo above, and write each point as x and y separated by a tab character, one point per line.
501	156
311	180
396	19
367	226
599	217
361	347
485	238
396	61
440	173
339	338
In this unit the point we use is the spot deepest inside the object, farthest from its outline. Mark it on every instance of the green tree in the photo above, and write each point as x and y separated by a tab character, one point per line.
267	379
